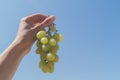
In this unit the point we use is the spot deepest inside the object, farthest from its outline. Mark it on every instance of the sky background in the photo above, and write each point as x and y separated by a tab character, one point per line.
91	46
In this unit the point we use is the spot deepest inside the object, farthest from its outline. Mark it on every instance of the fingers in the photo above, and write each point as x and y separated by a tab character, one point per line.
35	17
47	22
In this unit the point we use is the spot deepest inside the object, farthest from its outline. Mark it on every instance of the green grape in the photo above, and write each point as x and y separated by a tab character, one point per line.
52	42
50	63
45	48
44	40
60	37
50	57
41	63
43	56
45	69
38	51
56	37
40	34
52	28
56	58
51	68
54	49
39	44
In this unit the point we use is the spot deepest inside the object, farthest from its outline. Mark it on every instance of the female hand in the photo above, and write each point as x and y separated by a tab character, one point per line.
29	26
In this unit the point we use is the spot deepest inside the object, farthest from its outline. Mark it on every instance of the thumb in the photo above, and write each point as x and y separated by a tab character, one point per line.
45	23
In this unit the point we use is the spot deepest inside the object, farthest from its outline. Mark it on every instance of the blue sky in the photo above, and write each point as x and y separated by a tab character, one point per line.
91	46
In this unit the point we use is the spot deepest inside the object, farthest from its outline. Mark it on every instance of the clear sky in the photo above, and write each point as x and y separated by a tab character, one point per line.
91	46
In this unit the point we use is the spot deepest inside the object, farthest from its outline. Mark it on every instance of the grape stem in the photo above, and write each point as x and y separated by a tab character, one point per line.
55	25
49	32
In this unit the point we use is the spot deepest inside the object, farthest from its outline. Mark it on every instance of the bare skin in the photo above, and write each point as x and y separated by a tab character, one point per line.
11	57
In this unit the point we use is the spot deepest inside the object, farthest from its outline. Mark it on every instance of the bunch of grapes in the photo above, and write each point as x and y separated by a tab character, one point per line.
47	47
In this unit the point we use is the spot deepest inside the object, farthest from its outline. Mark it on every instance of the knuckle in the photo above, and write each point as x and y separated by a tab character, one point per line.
23	19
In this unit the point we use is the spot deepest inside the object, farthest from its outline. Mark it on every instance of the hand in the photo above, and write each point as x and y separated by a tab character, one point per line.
29	26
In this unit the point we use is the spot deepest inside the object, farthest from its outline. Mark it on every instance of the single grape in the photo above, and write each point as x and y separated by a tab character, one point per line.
45	69
52	28
50	63
51	66
45	48
41	63
43	56
51	69
38	51
50	57
52	42
38	44
56	58
56	37
44	40
54	49
40	34
60	37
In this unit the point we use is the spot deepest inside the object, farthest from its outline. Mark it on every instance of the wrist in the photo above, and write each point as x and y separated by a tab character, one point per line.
20	47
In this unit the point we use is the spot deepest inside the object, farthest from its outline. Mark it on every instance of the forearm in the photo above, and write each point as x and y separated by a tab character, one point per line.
10	59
